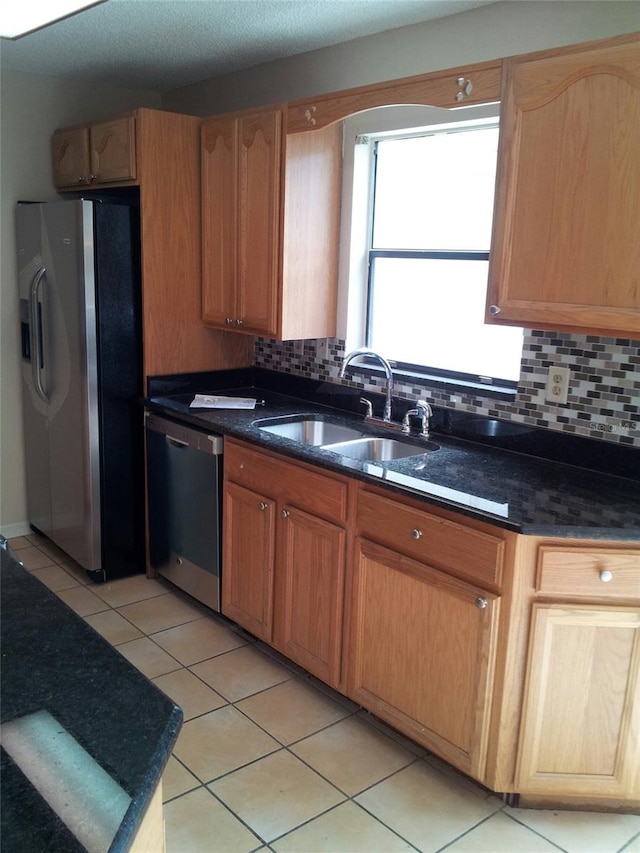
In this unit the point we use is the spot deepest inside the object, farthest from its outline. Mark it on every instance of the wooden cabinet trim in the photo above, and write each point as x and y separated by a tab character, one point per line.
438	89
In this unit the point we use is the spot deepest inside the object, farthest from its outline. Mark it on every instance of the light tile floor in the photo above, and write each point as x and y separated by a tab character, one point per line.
270	759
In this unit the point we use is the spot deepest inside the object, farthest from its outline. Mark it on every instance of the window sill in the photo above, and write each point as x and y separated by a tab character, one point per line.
444	384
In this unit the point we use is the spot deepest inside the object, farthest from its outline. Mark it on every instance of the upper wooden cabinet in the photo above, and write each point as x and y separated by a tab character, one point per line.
158	153
270	219
100	153
566	236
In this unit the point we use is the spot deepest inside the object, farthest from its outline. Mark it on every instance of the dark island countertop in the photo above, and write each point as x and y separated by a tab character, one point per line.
57	667
527	480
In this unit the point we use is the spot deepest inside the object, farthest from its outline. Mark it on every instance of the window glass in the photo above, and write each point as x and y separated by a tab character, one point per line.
430	232
435	192
431	313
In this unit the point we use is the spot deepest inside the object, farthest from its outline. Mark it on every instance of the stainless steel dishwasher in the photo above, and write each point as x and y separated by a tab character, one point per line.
184	487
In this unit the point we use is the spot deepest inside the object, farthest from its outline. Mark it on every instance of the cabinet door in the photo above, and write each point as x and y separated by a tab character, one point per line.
219	204
580	730
70	153
565	251
113	150
258	225
248	559
421	653
309	593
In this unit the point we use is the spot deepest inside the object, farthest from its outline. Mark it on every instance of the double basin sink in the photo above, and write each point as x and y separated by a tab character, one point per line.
351	442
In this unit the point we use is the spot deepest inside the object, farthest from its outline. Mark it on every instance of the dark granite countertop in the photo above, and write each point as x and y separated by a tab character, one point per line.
522	479
53	662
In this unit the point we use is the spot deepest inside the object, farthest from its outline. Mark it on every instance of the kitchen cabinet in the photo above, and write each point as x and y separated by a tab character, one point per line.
284	556
422	641
580	730
167	185
249	557
270	218
241	165
565	252
515	658
100	153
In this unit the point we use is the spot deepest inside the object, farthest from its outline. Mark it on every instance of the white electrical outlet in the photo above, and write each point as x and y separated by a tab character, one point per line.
557	384
298	347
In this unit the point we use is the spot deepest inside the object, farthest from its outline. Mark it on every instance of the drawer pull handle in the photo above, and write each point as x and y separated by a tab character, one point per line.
606	576
262	506
285	513
481	603
415	533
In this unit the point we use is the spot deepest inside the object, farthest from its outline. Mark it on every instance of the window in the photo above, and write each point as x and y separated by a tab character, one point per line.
428	236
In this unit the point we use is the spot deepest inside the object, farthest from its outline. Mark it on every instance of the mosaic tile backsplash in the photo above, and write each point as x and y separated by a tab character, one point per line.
604	389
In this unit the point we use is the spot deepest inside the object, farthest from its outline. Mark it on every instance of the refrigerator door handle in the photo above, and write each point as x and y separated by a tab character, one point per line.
35	321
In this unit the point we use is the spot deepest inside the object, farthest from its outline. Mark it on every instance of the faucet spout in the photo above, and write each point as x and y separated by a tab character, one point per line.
365	351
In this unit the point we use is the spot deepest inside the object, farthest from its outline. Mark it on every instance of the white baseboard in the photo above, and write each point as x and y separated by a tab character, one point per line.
23	528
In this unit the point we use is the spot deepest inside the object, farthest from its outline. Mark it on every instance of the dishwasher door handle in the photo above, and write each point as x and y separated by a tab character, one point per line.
175	442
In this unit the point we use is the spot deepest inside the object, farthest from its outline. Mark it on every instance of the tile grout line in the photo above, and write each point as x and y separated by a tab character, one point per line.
295	676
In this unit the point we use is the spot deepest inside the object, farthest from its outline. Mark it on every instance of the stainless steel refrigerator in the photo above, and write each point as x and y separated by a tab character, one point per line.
80	322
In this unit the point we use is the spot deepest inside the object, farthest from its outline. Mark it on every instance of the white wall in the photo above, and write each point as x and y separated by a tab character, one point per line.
490	32
32	107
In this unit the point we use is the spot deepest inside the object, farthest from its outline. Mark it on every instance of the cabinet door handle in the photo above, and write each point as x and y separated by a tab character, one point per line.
262	506
481	603
606	576
239	322
285	513
494	310
415	533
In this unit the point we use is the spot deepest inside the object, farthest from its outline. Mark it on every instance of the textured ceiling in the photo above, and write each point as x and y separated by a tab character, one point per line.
161	45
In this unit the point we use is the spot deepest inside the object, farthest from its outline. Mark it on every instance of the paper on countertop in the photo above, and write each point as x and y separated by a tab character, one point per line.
212	401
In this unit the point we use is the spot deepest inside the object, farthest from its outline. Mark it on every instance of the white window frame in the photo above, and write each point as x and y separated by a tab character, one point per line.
357	196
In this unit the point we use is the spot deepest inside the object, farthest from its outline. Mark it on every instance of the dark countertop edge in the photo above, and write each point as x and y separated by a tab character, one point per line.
167	737
618	459
302	453
138	807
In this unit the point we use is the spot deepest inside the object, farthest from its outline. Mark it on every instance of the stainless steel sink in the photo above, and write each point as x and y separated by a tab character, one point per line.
313	431
376	449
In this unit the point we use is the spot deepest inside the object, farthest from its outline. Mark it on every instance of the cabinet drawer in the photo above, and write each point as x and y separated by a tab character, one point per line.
453	547
287	482
589	571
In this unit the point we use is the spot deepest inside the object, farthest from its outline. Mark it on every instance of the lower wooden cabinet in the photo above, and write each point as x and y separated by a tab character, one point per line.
581	719
249	551
514	658
284	557
309	593
421	653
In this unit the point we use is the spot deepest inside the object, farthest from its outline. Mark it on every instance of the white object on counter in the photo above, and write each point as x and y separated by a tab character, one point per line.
210	401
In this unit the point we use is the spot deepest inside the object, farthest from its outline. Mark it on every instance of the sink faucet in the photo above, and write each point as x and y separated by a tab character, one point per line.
357	353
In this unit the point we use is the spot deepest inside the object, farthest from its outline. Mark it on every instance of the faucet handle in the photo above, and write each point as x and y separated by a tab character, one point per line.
369	405
422	410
